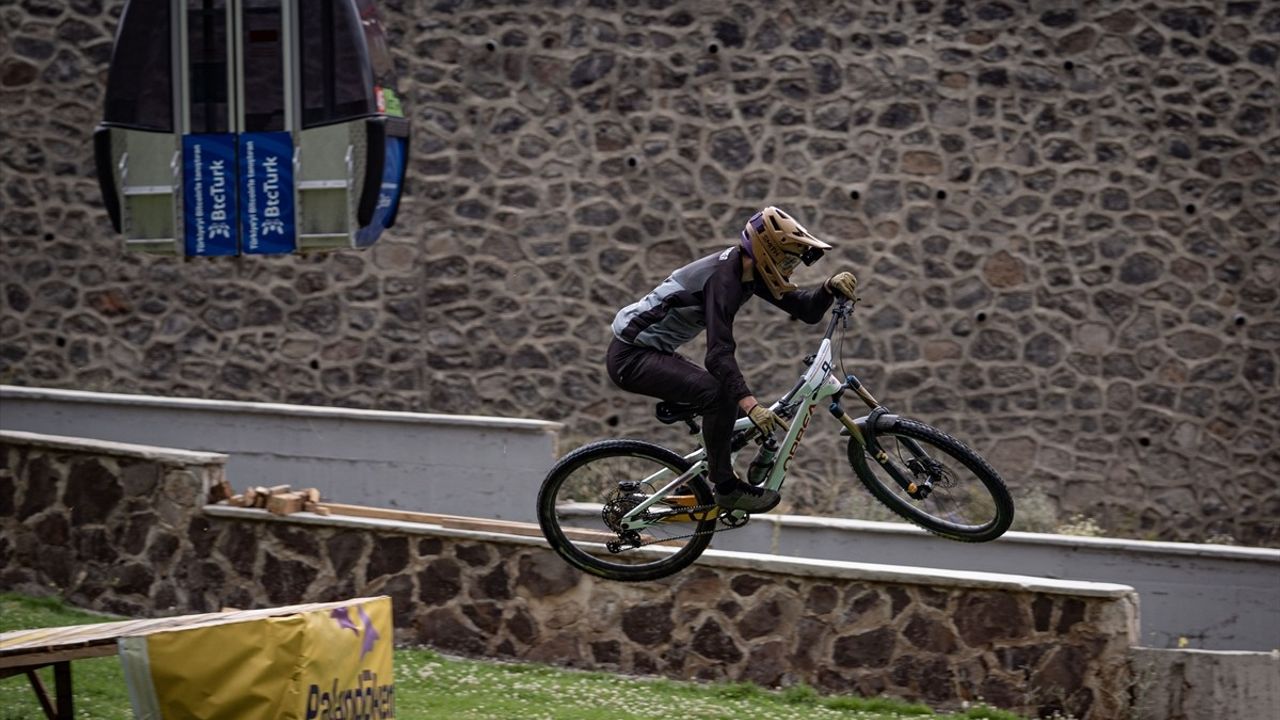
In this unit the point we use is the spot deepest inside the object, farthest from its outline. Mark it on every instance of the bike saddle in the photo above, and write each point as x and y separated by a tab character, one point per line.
671	412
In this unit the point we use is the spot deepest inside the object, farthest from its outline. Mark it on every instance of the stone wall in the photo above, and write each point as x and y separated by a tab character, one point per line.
110	531
1064	216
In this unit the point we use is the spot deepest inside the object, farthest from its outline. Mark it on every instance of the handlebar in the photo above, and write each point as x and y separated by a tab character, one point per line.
840	312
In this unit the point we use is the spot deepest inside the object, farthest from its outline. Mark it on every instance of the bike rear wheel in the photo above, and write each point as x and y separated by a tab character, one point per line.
587	491
968	500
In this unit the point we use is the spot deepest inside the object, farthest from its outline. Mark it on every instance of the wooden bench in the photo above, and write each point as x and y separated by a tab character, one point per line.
26	651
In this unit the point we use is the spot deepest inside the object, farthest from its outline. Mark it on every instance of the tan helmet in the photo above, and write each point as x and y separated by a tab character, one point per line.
778	244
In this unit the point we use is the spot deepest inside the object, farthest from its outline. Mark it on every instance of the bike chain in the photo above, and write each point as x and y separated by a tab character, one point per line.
692	510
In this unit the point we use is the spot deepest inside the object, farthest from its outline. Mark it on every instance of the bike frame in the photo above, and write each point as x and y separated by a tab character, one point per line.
817	385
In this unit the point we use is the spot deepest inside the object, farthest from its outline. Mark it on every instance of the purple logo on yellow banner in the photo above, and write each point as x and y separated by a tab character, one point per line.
209	194
320	661
266	193
366	629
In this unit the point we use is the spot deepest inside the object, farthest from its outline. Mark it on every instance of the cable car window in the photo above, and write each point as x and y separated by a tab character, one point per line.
335	65
375	37
263	66
207	44
139	86
382	64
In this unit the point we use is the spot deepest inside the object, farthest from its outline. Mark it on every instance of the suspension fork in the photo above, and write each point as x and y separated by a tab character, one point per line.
867	439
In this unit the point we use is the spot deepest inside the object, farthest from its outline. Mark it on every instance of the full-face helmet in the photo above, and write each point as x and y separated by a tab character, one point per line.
778	244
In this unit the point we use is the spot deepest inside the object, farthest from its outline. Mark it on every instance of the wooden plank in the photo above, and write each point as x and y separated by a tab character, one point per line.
584	535
35	659
460	522
388	514
501	526
220	491
284	503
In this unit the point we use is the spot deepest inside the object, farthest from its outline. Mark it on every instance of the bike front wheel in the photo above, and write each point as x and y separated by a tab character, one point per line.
584	497
966	500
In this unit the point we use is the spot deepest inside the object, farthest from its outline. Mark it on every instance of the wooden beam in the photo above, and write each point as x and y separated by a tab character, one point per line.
62	688
37	687
48	657
460	522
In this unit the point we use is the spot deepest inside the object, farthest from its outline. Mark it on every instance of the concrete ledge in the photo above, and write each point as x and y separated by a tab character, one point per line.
757	562
784	523
457	464
1205	684
1215	597
106	447
16	392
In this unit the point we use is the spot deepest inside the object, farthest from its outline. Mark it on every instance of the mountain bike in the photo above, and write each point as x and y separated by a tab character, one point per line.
631	510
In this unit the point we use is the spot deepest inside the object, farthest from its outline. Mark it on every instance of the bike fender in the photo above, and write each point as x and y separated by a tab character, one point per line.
884	421
879	419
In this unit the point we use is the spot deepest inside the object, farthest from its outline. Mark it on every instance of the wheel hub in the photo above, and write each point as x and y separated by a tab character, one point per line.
618	504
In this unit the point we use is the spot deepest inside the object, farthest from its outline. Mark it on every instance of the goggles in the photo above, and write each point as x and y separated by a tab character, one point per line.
790	261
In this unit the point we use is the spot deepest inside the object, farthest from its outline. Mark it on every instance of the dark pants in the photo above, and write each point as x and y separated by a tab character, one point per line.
677	379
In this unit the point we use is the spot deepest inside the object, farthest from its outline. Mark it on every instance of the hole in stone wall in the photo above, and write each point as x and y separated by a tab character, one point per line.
854	194
1144	442
632	161
1191	209
713	48
981	317
60	342
941	195
611	421
1239	320
315	364
1068	65
490	46
548	42
48	237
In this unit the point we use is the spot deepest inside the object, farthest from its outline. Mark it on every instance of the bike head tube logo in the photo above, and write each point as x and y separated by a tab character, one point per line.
799	436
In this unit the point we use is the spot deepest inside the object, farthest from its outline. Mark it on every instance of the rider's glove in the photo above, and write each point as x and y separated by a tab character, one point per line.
843	284
765	419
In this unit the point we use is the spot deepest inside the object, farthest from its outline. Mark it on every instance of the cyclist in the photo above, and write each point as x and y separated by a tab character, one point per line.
706	295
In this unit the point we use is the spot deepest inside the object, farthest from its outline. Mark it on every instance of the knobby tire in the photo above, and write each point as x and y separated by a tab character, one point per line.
591	562
934	440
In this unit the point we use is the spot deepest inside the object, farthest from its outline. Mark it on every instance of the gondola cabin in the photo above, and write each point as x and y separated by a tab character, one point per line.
251	127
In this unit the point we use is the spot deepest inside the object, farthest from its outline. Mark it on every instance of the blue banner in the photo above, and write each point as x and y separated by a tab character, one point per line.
209	194
267	218
388	195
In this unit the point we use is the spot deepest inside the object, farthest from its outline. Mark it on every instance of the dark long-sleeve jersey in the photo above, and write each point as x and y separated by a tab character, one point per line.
706	294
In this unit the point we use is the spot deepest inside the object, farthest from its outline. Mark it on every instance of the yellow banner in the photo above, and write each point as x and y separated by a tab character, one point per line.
328	661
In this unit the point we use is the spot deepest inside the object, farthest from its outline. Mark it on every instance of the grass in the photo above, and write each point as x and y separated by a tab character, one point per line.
429	685
98	682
